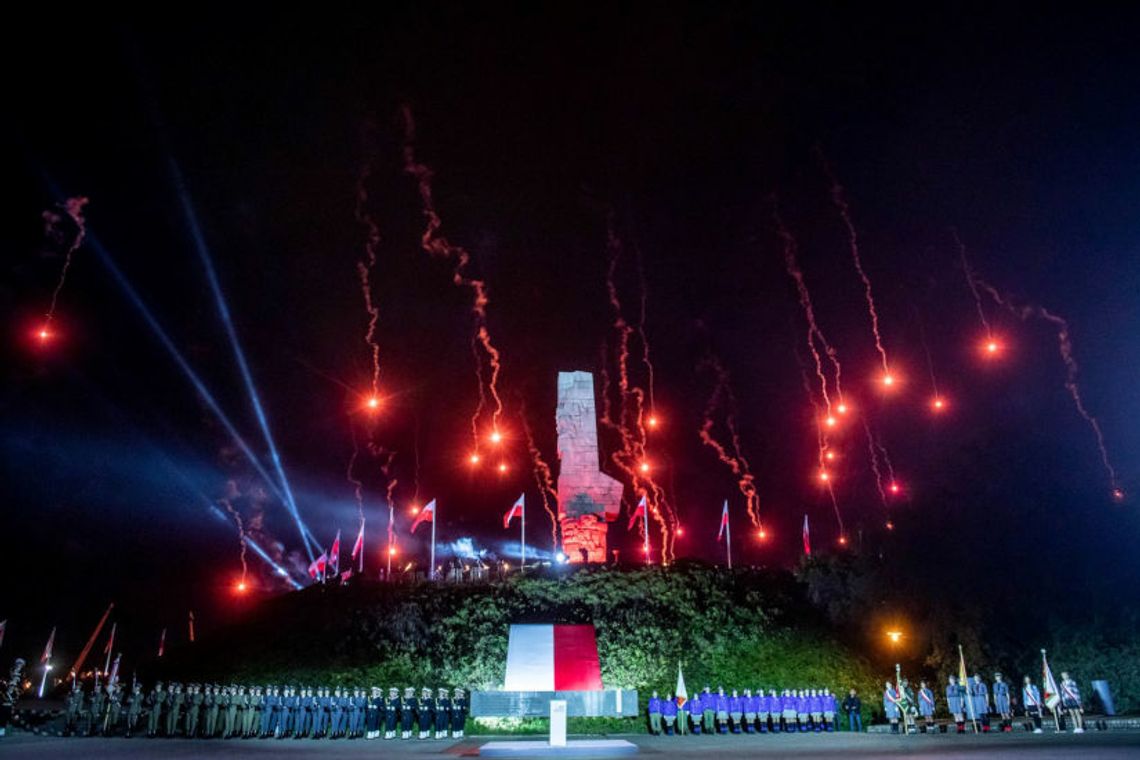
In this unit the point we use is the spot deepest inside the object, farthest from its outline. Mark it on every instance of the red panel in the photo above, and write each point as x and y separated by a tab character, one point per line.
576	665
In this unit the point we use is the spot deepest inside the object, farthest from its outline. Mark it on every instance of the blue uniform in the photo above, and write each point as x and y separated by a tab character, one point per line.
890	703
980	694
1001	697
269	705
694	707
954	699
669	713
926	703
1031	698
654	705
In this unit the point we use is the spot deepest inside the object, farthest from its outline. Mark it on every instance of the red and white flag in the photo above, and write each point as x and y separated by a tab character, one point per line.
723	521
358	547
191	626
317	569
110	640
515	511
427	514
552	658
113	678
639	512
162	643
334	554
47	649
1052	693
807	538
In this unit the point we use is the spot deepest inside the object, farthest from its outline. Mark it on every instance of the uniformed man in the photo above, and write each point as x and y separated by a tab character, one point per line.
231	719
408	707
194	702
669	713
1071	702
749	703
654	710
134	708
802	710
271	712
357	706
1002	702
1031	700
210	708
763	710
174	714
442	713
736	711
708	710
155	702
114	709
391	713
458	714
95	710
788	709
694	708
425	712
980	694
252	718
373	713
891	701
320	713
926	707
830	707
815	709
73	708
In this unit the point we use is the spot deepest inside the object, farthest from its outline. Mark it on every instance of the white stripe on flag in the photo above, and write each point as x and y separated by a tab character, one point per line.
530	658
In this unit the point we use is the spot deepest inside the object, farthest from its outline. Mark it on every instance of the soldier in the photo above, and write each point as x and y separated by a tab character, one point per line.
802	710
815	708
1071	702
735	711
788	709
344	703
408	707
391	713
319	708
980	694
708	710
926	707
749	704
134	708
210	710
358	704
829	710
194	702
763	709
1031	700
442	713
74	708
114	709
426	712
252	717
458	714
231	720
891	702
669	714
155	701
270	712
654	710
1002	704
372	713
174	714
694	707
95	712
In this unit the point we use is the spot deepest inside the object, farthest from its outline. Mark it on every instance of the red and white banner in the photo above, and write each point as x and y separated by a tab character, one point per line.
359	545
427	514
639	512
723	521
515	511
553	658
47	649
807	538
317	569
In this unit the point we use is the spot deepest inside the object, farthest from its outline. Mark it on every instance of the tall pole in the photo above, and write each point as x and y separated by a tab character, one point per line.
431	567
728	541
645	530
522	538
110	646
43	681
391	517
360	566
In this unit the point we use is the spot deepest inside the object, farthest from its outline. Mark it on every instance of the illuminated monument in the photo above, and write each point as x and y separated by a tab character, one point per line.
588	499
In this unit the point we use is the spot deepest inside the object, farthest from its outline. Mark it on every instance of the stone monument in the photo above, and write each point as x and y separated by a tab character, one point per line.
588	499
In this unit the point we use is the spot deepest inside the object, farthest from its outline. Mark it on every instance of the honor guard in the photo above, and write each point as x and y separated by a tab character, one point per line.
155	701
1071	702
177	700
408	707
458	714
336	713
815	707
209	711
233	717
669	714
788	709
425	712
306	708
114	710
357	713
926	707
980	695
694	708
290	711
830	707
252	718
736	711
1002	704
134	708
720	708
750	703
891	701
801	710
708	711
74	708
391	713
194	701
654	711
1031	700
763	709
374	713
442	713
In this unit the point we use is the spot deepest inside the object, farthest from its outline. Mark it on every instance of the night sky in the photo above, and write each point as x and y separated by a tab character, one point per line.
681	126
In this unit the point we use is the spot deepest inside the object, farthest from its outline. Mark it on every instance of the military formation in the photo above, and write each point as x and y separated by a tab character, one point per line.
746	712
270	712
975	703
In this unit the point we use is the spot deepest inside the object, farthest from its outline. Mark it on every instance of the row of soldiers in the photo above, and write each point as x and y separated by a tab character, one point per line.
972	700
799	710
231	712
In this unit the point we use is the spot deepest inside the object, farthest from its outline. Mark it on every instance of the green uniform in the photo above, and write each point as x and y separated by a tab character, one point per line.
193	712
155	704
212	702
231	705
134	708
174	713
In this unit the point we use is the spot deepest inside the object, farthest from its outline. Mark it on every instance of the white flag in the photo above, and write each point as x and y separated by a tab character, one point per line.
1052	693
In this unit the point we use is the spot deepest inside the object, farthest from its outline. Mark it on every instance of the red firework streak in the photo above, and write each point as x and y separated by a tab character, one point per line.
542	475
72	209
439	246
722	397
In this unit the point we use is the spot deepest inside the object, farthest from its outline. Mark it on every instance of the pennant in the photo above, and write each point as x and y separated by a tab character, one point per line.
334	554
427	514
723	521
807	538
1052	693
639	512
162	643
682	693
317	569
514	511
358	547
47	649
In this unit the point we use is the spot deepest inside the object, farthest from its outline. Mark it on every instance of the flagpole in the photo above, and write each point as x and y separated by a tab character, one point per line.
360	566
522	538
110	646
645	530
391	517
728	537
1053	707
969	689
431	567
43	681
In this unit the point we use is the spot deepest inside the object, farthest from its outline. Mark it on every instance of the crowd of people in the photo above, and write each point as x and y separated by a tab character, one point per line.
798	710
272	712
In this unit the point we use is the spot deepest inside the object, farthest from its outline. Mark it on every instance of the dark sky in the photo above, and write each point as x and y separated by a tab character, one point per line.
681	123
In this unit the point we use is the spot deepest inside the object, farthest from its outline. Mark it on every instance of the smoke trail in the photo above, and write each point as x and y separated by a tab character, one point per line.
791	264
873	450
971	280
437	245
542	475
350	475
231	488
364	269
723	398
643	291
823	445
839	198
1065	345
55	229
929	357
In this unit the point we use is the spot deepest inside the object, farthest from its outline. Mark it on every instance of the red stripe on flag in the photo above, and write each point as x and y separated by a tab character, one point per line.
576	666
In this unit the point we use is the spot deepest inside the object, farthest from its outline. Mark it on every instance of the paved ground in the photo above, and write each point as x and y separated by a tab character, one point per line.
1110	744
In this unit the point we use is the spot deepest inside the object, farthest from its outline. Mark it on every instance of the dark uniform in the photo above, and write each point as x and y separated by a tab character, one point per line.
155	702
373	712
425	713
442	714
458	713
391	713
408	708
194	700
212	703
114	710
174	714
134	708
95	712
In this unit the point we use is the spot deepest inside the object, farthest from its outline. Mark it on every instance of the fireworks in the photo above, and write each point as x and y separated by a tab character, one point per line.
722	397
66	228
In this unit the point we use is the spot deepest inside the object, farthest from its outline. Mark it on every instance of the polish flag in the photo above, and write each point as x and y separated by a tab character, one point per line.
807	538
427	514
359	545
317	569
723	521
47	649
162	643
334	554
515	511
553	658
639	512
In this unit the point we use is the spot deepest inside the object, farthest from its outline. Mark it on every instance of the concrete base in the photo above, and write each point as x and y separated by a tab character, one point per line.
573	748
